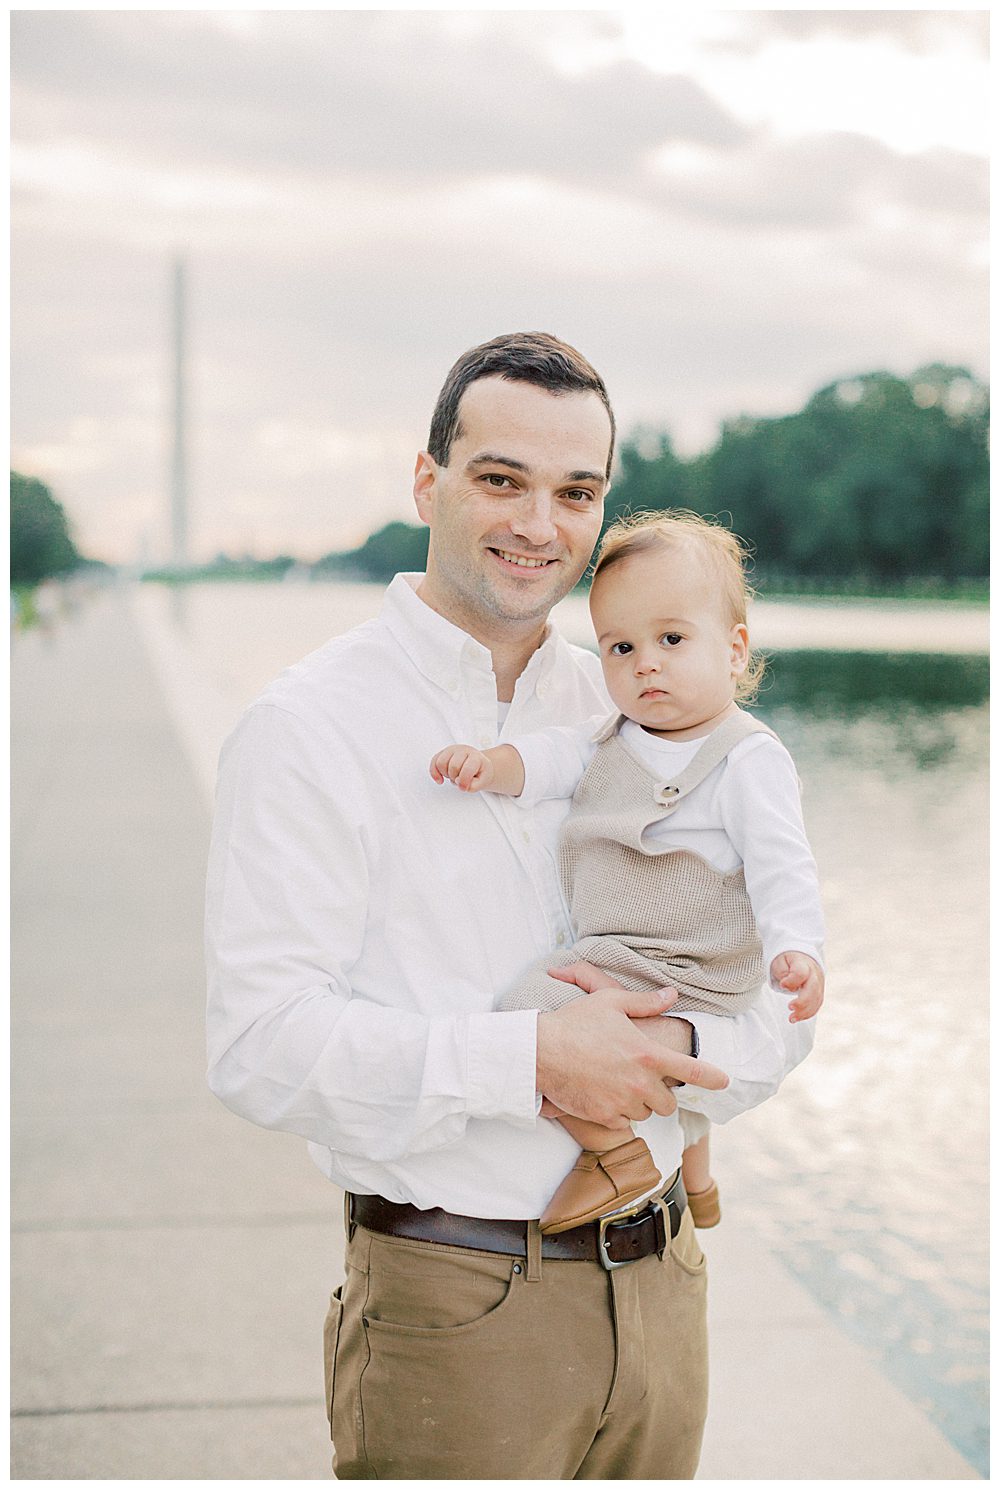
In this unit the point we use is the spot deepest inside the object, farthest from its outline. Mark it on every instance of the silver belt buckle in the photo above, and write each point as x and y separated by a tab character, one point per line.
613	1218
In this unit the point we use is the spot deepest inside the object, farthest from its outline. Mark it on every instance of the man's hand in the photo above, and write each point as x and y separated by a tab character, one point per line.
594	1062
796	973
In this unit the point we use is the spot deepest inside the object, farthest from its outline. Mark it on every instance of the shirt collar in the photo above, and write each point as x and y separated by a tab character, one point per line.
442	651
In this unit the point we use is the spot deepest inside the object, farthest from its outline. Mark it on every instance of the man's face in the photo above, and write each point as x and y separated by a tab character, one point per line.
515	514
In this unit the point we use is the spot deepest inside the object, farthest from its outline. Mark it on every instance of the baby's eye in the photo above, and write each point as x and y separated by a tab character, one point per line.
620	649
671	638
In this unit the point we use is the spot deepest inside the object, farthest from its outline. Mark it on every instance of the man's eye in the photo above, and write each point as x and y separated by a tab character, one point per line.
580	496
621	649
497	481
671	638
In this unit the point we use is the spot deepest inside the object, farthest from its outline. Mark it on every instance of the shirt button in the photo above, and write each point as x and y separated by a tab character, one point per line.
561	939
526	835
484	741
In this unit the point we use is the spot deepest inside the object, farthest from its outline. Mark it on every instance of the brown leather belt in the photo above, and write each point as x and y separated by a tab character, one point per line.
613	1241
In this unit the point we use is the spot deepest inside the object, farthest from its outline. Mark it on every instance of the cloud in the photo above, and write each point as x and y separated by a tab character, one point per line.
821	181
320	93
363	195
918	31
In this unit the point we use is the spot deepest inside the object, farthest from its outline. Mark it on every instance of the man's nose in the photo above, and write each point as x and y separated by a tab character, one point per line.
533	518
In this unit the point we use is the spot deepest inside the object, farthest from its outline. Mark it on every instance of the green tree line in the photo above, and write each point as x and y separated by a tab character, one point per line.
878	480
40	543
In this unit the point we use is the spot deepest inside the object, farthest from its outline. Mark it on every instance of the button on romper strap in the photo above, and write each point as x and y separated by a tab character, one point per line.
715	749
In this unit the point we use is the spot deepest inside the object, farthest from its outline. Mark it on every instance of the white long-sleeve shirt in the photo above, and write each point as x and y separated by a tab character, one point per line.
362	922
746	813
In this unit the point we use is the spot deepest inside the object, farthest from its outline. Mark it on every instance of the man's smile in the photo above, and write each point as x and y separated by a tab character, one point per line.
520	561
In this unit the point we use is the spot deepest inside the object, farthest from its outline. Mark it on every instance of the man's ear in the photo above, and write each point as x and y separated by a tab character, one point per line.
424	482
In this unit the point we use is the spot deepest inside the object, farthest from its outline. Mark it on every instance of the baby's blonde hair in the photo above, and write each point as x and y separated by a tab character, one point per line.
724	550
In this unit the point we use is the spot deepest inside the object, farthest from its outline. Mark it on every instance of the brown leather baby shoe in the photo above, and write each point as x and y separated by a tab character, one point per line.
599	1183
704	1206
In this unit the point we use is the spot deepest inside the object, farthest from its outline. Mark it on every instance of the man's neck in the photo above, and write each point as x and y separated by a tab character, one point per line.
510	644
510	659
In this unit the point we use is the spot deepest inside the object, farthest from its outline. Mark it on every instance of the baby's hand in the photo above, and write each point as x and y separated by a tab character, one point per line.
796	973
467	767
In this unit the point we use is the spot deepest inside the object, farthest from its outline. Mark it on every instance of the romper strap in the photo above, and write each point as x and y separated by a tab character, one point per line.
715	749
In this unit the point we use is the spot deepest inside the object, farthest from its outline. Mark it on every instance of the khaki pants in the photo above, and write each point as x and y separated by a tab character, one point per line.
445	1363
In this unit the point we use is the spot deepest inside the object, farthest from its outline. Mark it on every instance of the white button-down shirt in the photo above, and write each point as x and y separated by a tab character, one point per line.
362	923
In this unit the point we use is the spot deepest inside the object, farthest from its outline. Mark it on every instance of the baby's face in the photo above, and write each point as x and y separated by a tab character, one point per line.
671	658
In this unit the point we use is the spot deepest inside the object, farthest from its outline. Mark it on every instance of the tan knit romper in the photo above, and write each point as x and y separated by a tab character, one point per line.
648	916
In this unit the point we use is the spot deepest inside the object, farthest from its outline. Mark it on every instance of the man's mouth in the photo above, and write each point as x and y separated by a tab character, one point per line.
519	561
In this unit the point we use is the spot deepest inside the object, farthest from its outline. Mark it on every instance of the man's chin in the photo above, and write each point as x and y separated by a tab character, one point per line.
529	601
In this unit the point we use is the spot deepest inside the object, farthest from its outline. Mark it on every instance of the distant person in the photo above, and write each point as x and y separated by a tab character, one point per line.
685	859
362	926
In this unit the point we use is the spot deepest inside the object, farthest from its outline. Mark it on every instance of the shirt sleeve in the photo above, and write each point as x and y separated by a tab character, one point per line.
762	814
554	759
756	1049
291	1045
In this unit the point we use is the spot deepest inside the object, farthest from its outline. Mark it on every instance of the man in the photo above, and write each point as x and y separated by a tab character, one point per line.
362	925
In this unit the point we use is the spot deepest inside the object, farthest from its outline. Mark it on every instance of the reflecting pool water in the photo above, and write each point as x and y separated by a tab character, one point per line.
869	1172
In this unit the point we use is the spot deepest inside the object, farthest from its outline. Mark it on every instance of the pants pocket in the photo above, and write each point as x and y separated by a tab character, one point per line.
685	1250
417	1288
331	1336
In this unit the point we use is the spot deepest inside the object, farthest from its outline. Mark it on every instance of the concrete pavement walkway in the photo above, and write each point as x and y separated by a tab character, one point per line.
171	1264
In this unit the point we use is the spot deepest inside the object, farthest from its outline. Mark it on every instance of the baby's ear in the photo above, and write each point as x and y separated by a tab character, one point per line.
739	649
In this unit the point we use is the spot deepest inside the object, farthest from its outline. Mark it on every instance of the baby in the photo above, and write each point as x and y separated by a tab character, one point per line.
684	858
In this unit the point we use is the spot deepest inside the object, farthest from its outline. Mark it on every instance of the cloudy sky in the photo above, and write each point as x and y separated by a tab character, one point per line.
723	209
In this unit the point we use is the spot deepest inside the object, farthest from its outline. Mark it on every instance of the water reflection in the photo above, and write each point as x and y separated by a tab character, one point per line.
840	683
869	1171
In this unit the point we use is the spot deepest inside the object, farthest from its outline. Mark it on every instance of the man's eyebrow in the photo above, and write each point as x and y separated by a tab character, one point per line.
492	458
489	458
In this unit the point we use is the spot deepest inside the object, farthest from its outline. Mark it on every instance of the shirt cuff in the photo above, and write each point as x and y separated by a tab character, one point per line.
501	1066
716	1038
534	758
695	1039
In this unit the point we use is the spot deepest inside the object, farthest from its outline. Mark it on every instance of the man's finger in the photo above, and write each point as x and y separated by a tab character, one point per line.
649	1001
692	1072
584	975
662	1101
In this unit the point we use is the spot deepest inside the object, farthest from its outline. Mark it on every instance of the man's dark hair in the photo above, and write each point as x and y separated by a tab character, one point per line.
523	357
